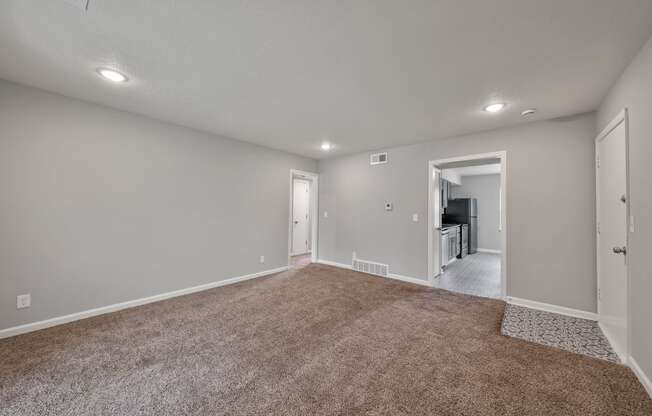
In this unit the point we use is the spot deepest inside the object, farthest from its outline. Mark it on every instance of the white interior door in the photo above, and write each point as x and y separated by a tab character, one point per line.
436	221
612	236
300	217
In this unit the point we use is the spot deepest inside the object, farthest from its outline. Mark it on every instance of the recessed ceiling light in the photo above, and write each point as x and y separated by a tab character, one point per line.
528	111
326	146
112	75
494	108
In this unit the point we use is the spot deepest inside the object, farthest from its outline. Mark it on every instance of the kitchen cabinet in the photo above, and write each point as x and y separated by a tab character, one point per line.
451	238
445	187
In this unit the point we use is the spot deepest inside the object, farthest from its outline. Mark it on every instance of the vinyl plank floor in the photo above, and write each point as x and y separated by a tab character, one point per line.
476	274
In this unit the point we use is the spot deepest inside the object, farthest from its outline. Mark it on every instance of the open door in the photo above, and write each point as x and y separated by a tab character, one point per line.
435	246
612	211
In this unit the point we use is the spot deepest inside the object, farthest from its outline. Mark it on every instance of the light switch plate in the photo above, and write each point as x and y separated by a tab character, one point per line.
415	217
262	259
23	301
325	214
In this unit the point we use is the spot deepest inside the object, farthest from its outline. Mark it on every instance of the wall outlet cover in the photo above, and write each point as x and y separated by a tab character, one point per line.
262	259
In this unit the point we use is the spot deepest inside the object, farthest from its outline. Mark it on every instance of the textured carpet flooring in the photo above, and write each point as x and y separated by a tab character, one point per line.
310	341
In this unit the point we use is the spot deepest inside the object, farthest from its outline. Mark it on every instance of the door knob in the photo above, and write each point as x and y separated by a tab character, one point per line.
620	250
296	222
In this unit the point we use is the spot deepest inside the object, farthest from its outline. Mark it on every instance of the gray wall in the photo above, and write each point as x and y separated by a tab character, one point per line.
550	201
99	206
486	189
634	91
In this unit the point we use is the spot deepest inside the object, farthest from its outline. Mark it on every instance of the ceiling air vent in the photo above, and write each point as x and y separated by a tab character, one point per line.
378	158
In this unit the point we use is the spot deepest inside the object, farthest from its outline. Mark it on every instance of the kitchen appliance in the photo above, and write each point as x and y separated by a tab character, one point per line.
464	211
464	244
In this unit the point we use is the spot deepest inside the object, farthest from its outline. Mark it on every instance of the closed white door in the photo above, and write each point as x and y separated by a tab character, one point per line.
300	217
612	236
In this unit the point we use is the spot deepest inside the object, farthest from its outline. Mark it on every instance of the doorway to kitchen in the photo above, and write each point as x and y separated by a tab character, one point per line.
302	235
467	224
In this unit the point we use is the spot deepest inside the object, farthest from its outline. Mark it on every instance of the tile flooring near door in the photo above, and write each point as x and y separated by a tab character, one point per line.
476	274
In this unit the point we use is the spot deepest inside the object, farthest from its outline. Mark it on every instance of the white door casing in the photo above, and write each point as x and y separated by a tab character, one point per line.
437	248
300	217
612	212
433	270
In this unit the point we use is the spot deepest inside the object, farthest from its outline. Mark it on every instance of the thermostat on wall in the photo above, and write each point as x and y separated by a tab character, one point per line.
388	206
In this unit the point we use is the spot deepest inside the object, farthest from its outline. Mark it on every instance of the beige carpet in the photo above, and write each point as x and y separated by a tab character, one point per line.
311	341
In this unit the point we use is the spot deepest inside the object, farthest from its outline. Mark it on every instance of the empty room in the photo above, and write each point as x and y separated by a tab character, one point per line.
280	207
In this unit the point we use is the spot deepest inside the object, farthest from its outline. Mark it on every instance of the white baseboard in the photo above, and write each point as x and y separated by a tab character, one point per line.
407	279
622	355
335	264
642	377
35	326
562	310
488	250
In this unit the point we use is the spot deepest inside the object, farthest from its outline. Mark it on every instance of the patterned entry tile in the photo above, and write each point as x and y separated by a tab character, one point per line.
581	336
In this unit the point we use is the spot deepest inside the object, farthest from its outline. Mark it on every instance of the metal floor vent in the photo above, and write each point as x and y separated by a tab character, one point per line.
371	267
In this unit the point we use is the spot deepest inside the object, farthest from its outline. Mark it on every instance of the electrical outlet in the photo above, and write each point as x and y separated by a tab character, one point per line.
353	255
23	301
262	259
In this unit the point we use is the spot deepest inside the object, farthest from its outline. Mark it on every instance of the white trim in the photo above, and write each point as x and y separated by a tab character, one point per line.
335	264
407	279
622	355
433	172
313	178
546	307
432	164
59	320
642	377
621	117
488	250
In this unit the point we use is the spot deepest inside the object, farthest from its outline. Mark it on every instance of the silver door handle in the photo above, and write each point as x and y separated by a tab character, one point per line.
620	250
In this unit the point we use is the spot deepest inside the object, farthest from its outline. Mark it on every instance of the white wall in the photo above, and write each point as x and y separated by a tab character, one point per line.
634	92
550	171
99	206
486	189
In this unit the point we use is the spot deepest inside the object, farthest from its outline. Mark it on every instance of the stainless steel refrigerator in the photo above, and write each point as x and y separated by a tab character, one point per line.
464	211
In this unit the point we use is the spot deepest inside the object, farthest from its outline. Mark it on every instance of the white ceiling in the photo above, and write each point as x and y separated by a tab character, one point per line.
363	74
492	169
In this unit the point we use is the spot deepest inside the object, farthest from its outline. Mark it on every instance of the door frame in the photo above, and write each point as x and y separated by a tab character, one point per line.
432	164
313	179
621	117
